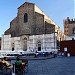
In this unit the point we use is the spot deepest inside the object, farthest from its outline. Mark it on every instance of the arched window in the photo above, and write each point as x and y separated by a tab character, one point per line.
25	17
12	34
25	38
74	30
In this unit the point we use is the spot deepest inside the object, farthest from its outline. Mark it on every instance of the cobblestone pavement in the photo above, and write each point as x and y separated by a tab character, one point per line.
54	66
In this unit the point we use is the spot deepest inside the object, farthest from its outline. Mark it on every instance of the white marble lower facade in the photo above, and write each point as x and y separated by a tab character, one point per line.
44	42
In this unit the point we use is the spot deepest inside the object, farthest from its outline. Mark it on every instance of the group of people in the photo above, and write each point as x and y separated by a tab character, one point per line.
9	65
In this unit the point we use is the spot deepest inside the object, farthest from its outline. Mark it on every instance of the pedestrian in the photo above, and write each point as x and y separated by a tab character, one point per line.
55	54
5	61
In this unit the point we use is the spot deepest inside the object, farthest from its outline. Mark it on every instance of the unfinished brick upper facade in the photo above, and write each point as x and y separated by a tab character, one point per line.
37	23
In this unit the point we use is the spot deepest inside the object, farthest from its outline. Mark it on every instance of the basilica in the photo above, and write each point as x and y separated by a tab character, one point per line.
32	30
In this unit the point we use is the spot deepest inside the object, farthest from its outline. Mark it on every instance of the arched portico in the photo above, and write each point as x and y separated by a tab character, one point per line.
24	39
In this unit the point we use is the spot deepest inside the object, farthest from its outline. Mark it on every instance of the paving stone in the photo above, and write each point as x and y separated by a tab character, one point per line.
54	66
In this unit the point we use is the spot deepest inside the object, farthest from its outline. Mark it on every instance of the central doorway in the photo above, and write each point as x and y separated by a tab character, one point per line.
39	46
25	44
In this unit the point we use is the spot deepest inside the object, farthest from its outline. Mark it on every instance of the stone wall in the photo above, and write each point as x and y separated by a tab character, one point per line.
46	18
6	42
26	28
39	23
47	42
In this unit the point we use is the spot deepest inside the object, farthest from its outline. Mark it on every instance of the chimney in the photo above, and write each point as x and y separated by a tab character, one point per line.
67	17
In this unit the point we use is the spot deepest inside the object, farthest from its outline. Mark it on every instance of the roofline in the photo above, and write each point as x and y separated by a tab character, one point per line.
24	3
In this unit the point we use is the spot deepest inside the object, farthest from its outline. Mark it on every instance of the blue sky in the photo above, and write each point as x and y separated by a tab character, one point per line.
57	10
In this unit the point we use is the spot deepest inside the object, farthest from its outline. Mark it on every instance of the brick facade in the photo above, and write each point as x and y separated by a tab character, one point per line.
38	23
69	27
70	45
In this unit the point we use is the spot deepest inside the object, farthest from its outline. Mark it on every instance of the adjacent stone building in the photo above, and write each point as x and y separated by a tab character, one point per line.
32	30
69	27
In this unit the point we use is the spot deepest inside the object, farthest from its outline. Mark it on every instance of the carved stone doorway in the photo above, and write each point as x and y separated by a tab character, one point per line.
39	46
25	44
